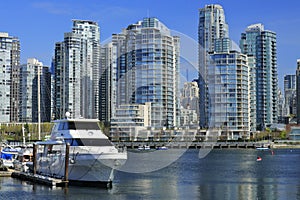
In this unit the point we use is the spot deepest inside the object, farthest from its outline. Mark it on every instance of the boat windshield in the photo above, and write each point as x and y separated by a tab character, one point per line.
78	126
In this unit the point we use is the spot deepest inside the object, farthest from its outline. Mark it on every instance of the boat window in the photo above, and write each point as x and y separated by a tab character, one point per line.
83	126
63	126
88	142
55	127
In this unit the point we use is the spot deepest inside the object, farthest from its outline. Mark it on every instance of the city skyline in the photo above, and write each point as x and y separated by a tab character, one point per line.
46	21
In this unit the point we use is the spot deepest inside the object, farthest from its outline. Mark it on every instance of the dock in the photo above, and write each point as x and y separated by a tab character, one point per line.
44	180
34	177
6	173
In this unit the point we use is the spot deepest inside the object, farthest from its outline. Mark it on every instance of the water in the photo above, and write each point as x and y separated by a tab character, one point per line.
223	174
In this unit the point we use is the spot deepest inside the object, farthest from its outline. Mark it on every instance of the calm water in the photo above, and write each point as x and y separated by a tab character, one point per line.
223	174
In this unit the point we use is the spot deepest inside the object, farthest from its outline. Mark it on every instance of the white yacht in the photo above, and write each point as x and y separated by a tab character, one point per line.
92	156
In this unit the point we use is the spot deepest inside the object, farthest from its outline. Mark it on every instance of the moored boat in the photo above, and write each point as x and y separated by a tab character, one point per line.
92	156
262	148
8	155
24	159
162	148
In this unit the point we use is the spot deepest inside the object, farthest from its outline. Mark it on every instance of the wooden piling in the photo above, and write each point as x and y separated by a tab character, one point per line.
66	178
34	158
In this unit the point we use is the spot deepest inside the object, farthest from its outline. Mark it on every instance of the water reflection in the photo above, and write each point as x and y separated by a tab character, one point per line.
223	174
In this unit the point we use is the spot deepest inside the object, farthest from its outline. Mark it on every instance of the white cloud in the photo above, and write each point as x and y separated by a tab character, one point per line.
53	8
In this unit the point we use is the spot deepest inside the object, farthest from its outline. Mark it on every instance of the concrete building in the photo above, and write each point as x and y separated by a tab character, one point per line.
190	96
9	77
298	90
295	133
76	71
252	93
129	120
282	117
290	108
190	104
261	44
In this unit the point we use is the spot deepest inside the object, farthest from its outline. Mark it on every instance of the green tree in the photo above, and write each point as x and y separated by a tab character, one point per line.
283	134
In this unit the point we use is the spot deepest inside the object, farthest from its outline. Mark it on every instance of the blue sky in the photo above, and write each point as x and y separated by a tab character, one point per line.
39	24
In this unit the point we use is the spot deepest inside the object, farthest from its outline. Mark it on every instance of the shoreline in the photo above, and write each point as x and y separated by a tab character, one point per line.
286	146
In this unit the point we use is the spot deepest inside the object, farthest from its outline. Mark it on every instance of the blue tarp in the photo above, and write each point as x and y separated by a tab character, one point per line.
6	156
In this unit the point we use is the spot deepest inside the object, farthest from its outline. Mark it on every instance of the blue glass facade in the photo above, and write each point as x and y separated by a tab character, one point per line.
228	88
261	44
147	70
212	29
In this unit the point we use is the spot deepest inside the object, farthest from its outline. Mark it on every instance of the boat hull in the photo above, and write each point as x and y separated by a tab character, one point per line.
92	169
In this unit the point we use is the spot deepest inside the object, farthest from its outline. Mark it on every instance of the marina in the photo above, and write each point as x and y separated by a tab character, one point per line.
77	153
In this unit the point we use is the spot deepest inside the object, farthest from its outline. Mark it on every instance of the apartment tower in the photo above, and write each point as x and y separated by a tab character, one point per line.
9	77
76	71
212	27
261	44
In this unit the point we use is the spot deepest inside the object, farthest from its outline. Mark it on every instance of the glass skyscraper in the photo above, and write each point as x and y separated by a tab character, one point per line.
225	79
9	77
229	89
261	44
211	29
144	66
29	91
76	71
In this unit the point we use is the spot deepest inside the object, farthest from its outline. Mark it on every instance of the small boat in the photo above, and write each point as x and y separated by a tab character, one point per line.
144	148
8	155
141	148
162	148
258	158
24	160
147	147
262	148
92	156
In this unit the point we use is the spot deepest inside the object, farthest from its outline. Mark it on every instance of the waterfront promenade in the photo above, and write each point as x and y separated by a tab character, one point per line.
197	145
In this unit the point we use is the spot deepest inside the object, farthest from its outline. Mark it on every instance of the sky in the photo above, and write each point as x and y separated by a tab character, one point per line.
39	24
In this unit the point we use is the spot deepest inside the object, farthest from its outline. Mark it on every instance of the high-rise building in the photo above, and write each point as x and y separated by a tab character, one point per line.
9	77
76	71
141	64
252	92
29	91
229	90
290	95
189	104
261	44
212	30
298	90
190	96
226	79
282	118
106	84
